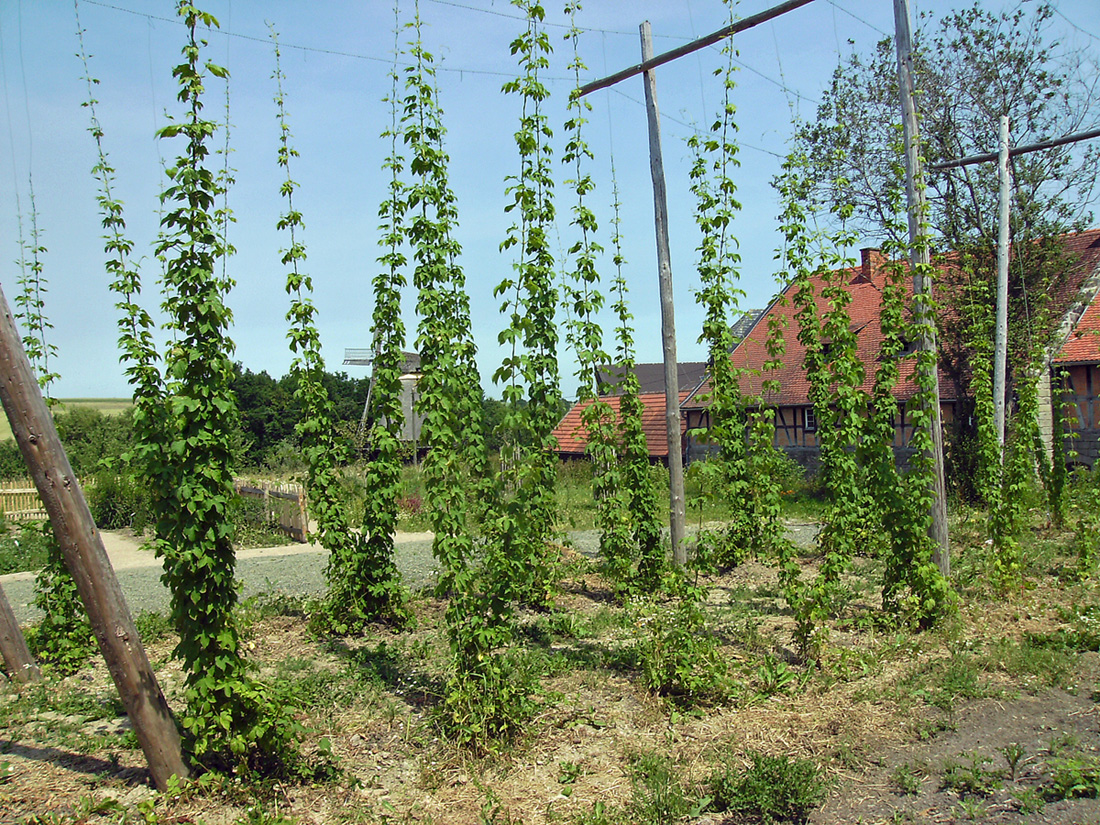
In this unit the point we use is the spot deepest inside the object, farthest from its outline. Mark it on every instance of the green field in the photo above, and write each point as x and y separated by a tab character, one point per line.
107	406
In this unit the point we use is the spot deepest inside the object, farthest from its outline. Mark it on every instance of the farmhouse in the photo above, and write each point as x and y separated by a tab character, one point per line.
1074	306
1076	368
796	426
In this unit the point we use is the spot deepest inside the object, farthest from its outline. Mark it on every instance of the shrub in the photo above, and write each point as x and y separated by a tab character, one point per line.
678	658
116	501
771	789
11	461
21	549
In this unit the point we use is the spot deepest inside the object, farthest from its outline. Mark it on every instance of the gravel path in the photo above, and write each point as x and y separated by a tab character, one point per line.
295	569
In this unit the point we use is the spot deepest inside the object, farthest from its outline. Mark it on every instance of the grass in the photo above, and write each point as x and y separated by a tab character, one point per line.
615	752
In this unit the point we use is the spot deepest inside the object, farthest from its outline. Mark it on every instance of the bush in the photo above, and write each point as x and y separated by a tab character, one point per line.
771	789
117	501
678	658
12	467
89	437
21	549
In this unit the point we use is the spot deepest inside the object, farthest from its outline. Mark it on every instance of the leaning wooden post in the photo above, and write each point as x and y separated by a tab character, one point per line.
920	259
13	647
86	559
677	514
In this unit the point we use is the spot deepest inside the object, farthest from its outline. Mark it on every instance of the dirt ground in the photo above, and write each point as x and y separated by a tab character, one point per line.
908	728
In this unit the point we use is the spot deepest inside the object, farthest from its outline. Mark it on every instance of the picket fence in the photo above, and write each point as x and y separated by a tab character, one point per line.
19	501
283	504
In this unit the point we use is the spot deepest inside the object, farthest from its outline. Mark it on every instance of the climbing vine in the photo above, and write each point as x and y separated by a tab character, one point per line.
364	583
185	418
640	505
529	373
914	589
583	300
482	702
63	639
715	158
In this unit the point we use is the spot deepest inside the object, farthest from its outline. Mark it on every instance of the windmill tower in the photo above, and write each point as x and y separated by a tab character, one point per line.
410	377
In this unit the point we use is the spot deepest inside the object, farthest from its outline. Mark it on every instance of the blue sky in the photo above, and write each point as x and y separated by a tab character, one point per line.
336	56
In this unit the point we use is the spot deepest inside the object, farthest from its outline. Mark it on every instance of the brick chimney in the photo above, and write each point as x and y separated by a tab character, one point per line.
872	260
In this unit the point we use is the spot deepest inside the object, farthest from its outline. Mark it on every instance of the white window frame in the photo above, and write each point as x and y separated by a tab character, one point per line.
809	420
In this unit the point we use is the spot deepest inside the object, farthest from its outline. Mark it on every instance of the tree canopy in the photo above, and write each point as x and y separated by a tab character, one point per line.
972	66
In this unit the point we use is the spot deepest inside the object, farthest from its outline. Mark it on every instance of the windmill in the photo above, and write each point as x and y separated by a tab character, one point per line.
410	377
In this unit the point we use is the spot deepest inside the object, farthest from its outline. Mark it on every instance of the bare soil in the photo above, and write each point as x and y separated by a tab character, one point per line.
926	707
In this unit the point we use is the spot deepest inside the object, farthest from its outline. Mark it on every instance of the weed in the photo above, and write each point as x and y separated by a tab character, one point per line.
658	795
152	626
1028	800
600	814
568	774
1082	635
1038	664
771	789
256	815
22	550
1063	743
941	683
774	677
907	779
1014	754
1074	777
972	778
972	809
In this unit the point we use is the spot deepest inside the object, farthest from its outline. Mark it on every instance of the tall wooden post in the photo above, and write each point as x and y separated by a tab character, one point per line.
677	516
13	647
920	259
86	558
1000	346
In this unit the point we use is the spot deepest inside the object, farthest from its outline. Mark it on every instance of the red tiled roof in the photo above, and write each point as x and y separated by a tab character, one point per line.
572	437
864	284
1083	344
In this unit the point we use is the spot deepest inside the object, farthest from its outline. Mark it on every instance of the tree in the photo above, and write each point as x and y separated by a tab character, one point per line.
972	67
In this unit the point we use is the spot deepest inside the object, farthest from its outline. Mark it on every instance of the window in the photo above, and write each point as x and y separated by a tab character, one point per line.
809	419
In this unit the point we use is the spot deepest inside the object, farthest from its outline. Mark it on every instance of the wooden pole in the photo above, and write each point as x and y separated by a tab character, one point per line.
651	62
677	517
920	259
13	647
1000	338
86	559
1017	150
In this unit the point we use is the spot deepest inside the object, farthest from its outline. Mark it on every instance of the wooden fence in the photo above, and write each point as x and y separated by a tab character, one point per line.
284	505
19	501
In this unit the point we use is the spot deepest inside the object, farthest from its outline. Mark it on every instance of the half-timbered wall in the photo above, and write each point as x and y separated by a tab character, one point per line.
801	442
1084	427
